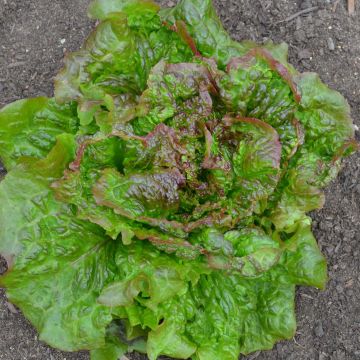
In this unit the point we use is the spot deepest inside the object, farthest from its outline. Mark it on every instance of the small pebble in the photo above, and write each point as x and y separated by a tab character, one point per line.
300	35
11	307
339	289
331	44
319	331
62	41
338	355
305	4
304	54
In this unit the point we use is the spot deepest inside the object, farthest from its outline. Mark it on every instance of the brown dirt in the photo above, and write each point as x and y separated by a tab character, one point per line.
325	41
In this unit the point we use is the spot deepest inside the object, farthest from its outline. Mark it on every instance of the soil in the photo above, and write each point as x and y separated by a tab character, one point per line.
35	34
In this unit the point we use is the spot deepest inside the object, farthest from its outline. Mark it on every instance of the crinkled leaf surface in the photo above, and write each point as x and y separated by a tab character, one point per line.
29	128
158	203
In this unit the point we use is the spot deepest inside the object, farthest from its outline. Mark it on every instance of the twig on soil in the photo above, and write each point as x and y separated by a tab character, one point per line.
16	64
265	7
338	246
349	283
351	6
335	5
254	356
298	343
307	296
299	13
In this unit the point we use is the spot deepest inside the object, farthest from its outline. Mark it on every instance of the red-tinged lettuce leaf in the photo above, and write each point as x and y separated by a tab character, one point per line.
75	187
29	128
249	253
202	26
102	66
140	195
253	88
160	148
170	87
205	27
117	59
255	162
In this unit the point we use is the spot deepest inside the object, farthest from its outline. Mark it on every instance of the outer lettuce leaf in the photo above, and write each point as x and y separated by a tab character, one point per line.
114	348
257	85
120	338
152	280
144	9
329	135
325	115
302	192
40	242
225	315
29	128
117	59
302	259
103	65
205	27
166	340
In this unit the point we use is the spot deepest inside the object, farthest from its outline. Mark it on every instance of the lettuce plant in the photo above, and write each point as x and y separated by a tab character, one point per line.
158	202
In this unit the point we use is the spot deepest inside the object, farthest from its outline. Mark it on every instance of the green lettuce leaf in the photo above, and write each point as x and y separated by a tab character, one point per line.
40	243
102	9
302	259
114	348
29	128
